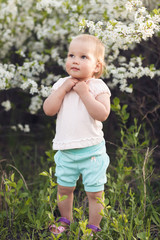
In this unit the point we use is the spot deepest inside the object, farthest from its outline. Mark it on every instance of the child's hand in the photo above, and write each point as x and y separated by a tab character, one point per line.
69	84
81	88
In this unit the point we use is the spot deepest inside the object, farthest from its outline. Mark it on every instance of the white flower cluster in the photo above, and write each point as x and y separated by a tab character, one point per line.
6	75
44	90
32	83
29	69
22	128
16	23
133	4
36	103
49	4
125	71
118	35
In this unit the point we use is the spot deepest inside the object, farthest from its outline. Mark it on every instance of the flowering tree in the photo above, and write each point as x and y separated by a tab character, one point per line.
35	36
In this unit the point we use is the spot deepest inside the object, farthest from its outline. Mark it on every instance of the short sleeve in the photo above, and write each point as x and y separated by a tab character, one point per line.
97	87
58	83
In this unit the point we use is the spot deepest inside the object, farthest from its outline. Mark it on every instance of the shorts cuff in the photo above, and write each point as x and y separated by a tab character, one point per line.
66	184
94	188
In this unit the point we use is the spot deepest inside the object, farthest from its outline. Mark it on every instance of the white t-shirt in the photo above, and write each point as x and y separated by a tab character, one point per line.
75	128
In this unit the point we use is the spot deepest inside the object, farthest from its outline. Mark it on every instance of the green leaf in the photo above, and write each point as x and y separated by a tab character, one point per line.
50	171
116	101
50	215
155	11
2	194
102	212
151	67
138	222
30	216
28	201
142	235
62	198
113	23
155	216
19	184
24	194
11	184
12	177
106	201
23	210
77	209
45	173
126	116
53	184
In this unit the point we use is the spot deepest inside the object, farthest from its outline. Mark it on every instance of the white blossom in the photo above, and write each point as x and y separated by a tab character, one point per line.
7	105
6	75
13	127
47	4
45	91
36	103
26	128
32	84
22	128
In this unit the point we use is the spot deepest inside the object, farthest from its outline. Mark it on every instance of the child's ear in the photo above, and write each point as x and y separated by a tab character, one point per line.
98	67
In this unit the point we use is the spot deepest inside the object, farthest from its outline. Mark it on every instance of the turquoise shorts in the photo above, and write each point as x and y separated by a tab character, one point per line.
92	162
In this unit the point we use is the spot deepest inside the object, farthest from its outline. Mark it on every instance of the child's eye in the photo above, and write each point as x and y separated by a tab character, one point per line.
84	57
71	55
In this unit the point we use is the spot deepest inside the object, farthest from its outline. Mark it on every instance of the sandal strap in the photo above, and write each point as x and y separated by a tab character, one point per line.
93	227
65	220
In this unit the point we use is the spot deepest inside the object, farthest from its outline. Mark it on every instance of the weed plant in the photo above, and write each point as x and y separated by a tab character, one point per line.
130	210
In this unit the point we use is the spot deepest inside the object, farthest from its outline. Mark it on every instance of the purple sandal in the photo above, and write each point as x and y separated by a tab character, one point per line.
93	228
60	229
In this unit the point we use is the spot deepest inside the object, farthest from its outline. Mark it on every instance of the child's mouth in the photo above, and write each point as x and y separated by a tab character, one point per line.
75	69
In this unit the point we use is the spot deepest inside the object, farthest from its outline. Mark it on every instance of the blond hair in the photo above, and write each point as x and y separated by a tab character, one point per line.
99	50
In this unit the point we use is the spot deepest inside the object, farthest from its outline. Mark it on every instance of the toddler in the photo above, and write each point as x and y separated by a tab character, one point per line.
81	102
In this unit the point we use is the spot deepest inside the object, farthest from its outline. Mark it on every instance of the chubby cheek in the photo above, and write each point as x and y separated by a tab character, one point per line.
67	66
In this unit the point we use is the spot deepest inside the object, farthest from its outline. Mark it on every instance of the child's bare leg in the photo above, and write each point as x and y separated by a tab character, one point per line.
65	206
94	208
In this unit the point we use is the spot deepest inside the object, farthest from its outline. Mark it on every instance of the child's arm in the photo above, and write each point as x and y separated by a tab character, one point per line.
99	107
53	103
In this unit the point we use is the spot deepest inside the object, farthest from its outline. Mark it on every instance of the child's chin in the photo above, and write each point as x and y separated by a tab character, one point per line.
74	76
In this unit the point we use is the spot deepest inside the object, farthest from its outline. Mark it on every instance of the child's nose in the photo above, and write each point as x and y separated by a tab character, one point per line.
76	60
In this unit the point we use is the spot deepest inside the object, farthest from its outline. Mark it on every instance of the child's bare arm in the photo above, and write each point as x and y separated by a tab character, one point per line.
99	107
53	103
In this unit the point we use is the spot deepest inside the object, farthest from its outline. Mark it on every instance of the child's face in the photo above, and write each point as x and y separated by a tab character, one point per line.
81	61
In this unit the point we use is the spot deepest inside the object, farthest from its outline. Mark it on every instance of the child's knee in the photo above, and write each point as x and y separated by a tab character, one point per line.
94	195
62	190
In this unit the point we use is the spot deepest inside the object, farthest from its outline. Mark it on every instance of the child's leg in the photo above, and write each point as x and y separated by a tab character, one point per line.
94	208
65	206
